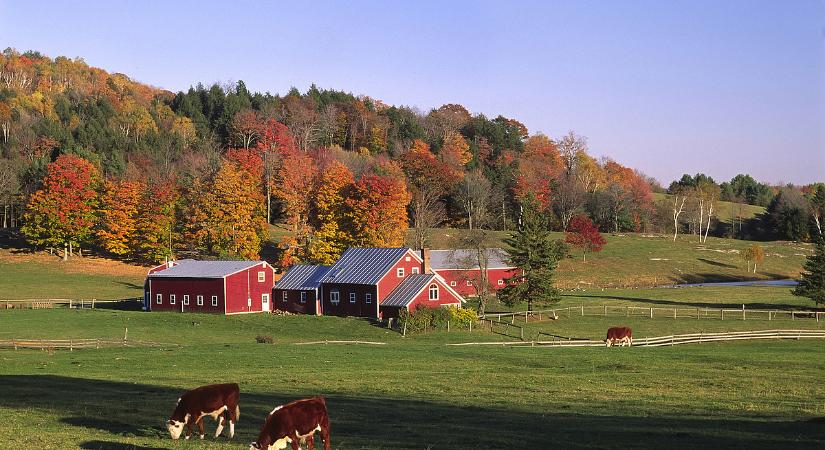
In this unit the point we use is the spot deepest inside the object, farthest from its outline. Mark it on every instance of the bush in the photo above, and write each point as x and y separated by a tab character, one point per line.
264	339
425	318
463	315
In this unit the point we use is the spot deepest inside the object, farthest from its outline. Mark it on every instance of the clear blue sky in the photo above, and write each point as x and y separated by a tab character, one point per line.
669	87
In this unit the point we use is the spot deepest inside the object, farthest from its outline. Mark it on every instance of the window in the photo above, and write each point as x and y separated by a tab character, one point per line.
414	270
171	299
334	297
261	276
501	282
214	300
303	297
433	292
407	259
352	297
400	272
283	299
185	299
367	298
452	283
200	300
469	283
159	299
264	299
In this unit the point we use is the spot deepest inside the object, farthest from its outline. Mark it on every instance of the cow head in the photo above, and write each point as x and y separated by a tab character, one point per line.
175	428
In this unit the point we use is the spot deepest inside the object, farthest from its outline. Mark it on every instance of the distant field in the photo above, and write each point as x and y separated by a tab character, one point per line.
725	211
415	392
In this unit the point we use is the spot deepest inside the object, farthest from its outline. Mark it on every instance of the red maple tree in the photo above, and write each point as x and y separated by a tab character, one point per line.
583	234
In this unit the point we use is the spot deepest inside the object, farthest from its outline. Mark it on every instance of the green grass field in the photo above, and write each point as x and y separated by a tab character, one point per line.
27	280
416	392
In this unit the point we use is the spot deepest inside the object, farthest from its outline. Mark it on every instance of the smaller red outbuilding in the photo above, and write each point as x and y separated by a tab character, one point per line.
226	287
297	290
419	290
460	270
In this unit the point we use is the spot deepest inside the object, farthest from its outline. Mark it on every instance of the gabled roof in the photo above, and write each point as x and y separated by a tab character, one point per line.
302	277
189	268
466	259
363	265
405	292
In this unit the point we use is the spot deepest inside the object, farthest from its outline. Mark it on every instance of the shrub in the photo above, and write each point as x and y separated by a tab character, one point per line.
264	339
425	318
463	315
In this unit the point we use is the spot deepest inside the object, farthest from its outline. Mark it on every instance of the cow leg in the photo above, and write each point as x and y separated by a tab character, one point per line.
221	420
324	425
189	425
200	427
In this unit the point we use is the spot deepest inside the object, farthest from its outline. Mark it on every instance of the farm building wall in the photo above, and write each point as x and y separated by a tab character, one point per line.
458	278
359	308
422	300
293	303
180	287
245	292
391	280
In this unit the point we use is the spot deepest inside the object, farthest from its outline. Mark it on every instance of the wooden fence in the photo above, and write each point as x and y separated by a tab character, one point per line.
51	303
661	341
341	342
655	312
72	344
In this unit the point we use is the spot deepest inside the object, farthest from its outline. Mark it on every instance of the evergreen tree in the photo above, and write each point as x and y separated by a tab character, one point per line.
812	281
535	255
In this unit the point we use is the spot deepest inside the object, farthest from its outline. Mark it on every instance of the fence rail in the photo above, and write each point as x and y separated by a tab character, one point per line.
340	342
655	312
73	344
661	341
51	303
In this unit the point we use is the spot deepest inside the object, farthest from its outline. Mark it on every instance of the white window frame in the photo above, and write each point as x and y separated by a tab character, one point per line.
334	297
501	282
352	297
199	300
399	272
368	298
171	299
264	299
453	283
214	300
261	276
469	283
414	270
186	299
303	297
407	259
284	297
159	299
430	291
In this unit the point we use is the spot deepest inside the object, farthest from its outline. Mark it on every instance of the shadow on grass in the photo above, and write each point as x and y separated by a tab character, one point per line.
716	263
136	410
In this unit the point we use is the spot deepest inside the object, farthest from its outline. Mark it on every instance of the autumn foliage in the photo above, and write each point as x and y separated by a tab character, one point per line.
584	235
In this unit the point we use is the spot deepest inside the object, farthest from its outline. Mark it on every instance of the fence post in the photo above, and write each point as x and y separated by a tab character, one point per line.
70	303
743	312
448	326
651	313
605	310
513	319
14	343
769	315
93	303
793	315
582	310
525	316
697	313
674	313
522	334
471	325
404	332
723	313
817	317
71	347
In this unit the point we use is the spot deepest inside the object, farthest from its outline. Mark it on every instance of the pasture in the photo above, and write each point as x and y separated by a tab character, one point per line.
416	392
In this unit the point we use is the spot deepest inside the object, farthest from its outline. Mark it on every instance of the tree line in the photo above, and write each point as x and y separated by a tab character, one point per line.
204	171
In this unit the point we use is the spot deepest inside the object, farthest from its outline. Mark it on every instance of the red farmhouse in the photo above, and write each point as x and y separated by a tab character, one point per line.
297	290
460	269
226	287
378	282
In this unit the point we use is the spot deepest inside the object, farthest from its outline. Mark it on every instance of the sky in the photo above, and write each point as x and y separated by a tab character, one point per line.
665	87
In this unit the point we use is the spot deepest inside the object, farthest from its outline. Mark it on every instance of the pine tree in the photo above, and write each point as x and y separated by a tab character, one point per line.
535	255
812	281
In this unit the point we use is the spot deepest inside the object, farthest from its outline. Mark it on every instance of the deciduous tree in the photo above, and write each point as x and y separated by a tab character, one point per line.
118	216
584	235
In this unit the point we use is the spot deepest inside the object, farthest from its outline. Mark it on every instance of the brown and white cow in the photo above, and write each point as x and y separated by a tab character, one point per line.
621	335
294	424
215	400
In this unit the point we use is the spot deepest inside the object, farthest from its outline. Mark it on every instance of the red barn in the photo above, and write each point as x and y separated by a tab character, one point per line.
297	290
226	287
362	280
460	269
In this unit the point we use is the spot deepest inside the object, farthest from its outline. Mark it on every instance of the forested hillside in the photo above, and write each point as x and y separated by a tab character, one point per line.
95	160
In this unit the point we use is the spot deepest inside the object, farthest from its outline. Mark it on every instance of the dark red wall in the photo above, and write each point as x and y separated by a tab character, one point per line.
293	301
391	280
186	286
461	276
345	308
244	286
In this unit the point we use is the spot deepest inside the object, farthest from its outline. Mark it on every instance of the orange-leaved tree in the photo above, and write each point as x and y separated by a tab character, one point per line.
377	207
118	216
156	221
62	212
330	239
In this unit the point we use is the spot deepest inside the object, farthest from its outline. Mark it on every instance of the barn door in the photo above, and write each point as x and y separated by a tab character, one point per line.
265	302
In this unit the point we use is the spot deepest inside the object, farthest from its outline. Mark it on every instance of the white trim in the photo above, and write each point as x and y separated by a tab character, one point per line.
214	300
453	291
430	289
414	271
172	299
368	298
199	300
159	299
284	297
186	299
399	272
302	297
264	303
353	298
261	274
337	297
453	283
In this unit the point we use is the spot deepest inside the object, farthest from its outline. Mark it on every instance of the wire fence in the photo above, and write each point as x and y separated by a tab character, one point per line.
655	312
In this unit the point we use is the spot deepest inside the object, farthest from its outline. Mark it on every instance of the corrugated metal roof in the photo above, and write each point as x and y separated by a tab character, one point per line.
467	259
302	277
404	293
189	268
363	265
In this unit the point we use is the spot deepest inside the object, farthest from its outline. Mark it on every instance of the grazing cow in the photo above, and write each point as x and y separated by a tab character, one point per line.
294	423
621	335
216	400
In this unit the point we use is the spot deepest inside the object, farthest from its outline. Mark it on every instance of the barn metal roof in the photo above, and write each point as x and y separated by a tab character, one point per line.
405	292
466	259
302	277
189	268
363	265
